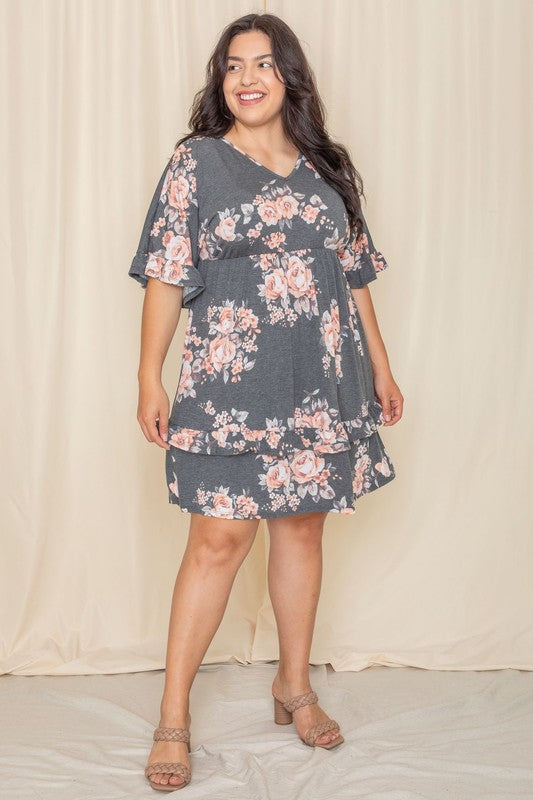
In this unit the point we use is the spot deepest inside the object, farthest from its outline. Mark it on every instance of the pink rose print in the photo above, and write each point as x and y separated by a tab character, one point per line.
225	504
306	466
288	480
268	211
288	288
224	353
278	475
180	189
332	338
287	205
383	467
226	227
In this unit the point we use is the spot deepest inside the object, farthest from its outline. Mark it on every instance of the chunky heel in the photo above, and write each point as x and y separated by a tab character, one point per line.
281	715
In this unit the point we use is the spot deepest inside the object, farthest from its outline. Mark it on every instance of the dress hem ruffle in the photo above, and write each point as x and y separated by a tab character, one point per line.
234	439
332	508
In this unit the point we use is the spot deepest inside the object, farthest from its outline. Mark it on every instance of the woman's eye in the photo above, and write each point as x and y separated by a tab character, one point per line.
230	66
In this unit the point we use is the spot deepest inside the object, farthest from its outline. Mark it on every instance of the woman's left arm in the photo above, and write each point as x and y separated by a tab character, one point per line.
386	389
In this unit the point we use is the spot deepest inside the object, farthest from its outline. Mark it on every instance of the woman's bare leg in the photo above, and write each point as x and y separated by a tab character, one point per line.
294	581
215	550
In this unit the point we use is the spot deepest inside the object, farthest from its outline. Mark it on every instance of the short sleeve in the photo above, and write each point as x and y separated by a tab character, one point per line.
168	247
360	260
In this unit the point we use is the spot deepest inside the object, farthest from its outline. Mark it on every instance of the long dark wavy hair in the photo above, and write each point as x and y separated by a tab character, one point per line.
302	112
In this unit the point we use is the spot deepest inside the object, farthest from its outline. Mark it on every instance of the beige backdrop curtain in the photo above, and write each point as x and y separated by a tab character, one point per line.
433	98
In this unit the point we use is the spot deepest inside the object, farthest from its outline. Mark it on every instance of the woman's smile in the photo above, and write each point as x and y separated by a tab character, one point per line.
250	98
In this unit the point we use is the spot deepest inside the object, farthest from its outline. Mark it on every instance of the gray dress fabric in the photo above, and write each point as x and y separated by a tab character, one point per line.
274	412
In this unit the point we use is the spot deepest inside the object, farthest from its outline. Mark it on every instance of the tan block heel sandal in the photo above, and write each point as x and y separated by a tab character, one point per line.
283	716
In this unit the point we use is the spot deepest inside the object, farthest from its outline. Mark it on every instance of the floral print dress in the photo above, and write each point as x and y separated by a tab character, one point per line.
274	412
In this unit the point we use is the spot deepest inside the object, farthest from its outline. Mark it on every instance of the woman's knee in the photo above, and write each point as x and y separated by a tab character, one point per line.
306	528
216	541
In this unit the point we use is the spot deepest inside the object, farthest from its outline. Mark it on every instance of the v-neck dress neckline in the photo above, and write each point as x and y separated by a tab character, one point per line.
258	163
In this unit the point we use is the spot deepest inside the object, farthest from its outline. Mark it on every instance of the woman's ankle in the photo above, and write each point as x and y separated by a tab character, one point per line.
293	678
174	712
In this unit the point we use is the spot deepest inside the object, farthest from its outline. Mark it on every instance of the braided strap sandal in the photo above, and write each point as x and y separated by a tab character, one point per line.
170	767
283	716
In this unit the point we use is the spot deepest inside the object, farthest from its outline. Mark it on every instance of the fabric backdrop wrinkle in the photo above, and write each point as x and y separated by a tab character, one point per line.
433	100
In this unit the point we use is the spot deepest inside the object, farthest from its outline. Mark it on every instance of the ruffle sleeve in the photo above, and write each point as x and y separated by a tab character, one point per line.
168	247
360	260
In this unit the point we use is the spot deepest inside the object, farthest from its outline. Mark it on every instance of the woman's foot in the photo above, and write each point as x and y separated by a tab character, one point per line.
170	751
306	716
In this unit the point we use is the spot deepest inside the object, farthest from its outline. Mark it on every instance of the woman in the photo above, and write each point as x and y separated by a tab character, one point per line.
256	227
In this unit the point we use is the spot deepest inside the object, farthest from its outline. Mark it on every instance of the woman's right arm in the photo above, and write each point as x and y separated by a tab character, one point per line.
165	265
160	316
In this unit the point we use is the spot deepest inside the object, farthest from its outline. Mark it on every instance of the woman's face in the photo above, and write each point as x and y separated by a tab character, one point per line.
250	70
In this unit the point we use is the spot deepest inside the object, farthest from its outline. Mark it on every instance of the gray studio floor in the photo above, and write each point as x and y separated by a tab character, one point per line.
409	733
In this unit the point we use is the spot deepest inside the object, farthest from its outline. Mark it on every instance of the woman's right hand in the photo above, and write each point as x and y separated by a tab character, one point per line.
153	411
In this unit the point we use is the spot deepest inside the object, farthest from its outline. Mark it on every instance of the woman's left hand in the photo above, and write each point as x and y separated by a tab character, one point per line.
390	398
